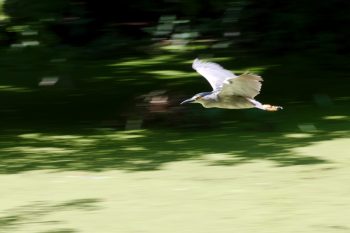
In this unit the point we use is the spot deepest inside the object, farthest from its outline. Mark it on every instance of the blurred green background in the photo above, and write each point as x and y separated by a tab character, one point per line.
93	139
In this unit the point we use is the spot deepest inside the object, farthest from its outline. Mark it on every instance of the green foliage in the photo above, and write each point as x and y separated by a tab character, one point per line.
283	26
275	26
34	10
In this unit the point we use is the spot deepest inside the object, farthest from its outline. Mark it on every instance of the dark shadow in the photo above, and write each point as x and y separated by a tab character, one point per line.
60	231
22	216
255	135
50	127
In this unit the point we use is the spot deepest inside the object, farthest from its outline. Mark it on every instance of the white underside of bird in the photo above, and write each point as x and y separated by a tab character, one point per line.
229	91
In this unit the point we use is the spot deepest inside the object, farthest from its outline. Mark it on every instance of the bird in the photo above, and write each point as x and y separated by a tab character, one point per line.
229	90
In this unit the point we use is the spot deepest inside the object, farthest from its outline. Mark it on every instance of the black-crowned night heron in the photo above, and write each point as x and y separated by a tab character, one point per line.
229	91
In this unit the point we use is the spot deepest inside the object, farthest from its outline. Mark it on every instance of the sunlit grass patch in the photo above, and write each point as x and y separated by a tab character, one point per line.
139	62
39	150
101	150
184	47
336	117
134	148
3	16
9	88
170	74
42	136
298	135
76	141
125	135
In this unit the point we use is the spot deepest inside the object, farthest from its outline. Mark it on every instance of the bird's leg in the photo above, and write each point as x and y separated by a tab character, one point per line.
271	108
266	107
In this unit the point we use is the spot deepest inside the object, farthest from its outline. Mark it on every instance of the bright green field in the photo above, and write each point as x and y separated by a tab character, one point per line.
218	180
62	171
186	196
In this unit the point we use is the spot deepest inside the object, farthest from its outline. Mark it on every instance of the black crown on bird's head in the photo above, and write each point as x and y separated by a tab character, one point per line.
202	94
196	97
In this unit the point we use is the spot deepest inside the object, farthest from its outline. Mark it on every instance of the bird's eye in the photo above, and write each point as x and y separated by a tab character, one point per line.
198	97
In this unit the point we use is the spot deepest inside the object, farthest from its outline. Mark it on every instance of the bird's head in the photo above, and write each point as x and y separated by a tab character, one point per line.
197	98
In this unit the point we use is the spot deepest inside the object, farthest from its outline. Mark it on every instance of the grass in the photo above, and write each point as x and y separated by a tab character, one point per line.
68	165
260	175
203	193
97	150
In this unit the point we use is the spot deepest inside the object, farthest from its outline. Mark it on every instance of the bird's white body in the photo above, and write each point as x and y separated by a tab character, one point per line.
229	91
228	102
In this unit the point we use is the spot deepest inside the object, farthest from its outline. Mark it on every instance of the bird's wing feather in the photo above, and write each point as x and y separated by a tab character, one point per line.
247	85
212	72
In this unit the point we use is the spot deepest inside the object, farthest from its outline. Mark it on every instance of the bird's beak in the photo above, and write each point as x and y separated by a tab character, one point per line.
187	101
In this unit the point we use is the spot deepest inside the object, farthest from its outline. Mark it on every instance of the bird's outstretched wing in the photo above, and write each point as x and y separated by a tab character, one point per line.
214	73
247	85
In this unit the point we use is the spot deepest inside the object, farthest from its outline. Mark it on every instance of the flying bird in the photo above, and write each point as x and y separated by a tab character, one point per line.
229	91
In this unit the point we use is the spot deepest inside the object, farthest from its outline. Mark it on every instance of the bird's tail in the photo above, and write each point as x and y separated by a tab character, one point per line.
271	108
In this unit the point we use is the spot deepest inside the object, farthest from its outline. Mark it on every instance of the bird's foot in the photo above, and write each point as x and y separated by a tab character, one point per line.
271	108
